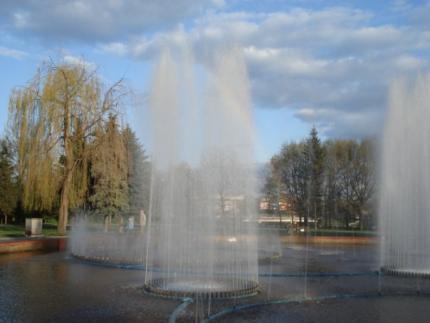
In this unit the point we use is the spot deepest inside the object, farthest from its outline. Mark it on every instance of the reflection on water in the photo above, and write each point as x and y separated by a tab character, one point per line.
52	287
38	287
7	258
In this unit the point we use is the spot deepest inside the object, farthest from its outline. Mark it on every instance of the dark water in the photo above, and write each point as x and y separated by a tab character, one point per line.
54	288
38	287
385	309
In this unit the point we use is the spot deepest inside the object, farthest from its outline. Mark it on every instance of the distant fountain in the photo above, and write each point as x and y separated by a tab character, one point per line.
202	235
89	241
405	192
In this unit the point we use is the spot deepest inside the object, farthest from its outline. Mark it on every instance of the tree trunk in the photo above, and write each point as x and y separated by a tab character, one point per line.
68	169
361	214
64	205
121	224
306	218
222	204
106	223
279	212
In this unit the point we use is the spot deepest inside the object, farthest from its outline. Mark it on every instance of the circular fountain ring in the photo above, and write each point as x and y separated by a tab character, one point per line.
215	288
406	272
108	261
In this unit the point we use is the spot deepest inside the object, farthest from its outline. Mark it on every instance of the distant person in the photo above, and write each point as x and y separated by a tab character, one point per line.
142	221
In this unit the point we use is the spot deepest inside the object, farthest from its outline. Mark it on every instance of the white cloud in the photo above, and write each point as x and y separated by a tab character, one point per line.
408	62
95	20
219	3
75	60
332	65
115	48
20	20
307	114
13	53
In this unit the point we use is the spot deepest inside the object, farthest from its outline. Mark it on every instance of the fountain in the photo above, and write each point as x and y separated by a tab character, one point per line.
405	190
201	237
89	242
202	231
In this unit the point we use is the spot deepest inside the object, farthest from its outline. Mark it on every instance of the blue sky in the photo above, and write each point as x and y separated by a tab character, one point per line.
322	63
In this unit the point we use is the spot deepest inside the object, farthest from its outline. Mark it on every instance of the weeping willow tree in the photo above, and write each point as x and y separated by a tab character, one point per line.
53	120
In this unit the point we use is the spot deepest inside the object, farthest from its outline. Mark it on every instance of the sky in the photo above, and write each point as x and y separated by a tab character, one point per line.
326	64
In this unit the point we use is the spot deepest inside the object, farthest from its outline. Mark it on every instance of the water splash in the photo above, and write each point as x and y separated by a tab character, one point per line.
202	219
405	187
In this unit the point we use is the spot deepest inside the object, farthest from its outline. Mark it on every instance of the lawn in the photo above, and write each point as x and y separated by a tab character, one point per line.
17	231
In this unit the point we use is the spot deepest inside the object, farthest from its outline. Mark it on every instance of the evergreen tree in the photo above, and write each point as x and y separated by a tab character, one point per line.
314	156
8	185
138	173
334	182
109	171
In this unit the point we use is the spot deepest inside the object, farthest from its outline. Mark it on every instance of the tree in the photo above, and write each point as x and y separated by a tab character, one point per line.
349	174
331	187
8	185
53	119
357	181
364	182
291	169
333	181
138	173
272	191
109	171
314	158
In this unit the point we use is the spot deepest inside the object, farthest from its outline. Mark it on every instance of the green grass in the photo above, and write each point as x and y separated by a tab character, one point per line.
17	231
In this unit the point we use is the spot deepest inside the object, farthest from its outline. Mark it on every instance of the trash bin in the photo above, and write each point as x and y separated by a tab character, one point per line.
33	227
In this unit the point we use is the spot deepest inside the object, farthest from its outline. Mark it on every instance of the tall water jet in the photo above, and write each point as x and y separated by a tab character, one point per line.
202	236
405	191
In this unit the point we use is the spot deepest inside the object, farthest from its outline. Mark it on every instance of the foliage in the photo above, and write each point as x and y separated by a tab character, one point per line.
314	167
53	120
8	185
272	190
331	182
109	171
138	173
290	168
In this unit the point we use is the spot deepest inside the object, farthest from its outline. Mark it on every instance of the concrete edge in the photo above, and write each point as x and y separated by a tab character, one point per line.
33	244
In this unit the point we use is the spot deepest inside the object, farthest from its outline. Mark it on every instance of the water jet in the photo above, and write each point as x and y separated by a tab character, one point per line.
405	186
202	233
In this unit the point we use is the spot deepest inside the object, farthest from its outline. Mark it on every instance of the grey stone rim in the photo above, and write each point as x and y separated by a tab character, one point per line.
156	287
404	273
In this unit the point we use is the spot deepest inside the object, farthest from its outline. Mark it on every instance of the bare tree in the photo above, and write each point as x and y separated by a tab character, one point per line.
291	169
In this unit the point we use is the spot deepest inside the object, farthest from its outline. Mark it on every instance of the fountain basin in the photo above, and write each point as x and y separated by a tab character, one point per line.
202	287
406	272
